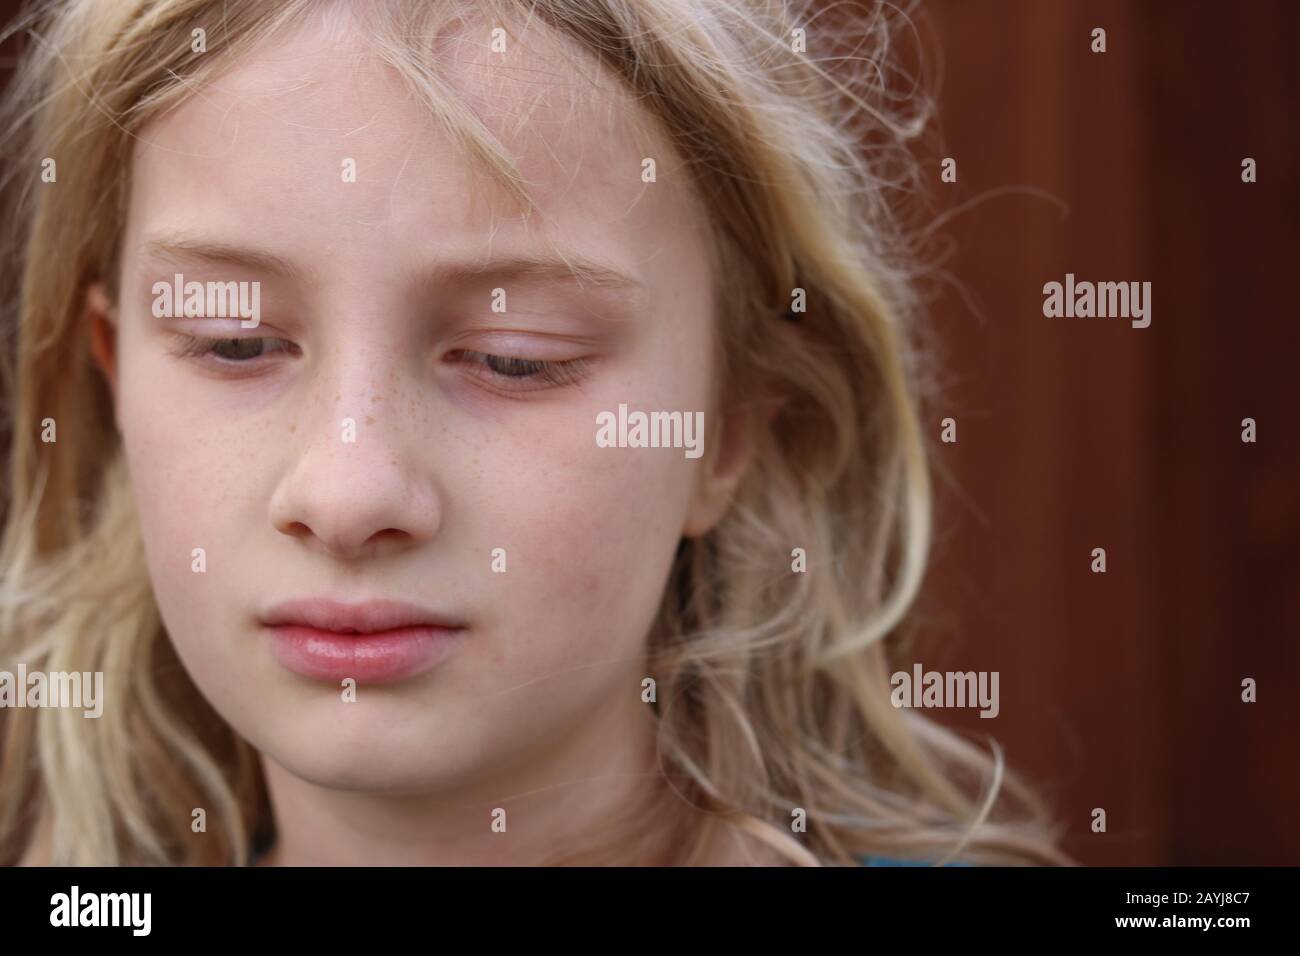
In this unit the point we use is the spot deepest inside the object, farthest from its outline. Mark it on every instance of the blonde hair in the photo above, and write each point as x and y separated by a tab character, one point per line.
773	687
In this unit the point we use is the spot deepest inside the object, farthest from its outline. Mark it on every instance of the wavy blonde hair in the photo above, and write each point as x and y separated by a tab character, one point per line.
773	686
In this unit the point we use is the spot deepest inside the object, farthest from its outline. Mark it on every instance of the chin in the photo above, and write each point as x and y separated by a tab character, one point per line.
376	753
354	767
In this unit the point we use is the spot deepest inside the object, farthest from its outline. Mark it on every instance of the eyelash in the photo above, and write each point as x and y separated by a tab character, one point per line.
513	369
502	367
195	346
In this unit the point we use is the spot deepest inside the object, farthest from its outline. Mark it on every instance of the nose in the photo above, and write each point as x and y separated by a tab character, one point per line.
361	498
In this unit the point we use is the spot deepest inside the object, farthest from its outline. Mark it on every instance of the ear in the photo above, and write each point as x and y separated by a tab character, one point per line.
727	459
100	314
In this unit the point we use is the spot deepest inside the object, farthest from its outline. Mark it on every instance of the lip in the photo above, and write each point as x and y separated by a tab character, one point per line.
372	641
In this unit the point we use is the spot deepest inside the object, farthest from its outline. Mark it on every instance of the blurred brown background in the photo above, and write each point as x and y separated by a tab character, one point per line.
1122	690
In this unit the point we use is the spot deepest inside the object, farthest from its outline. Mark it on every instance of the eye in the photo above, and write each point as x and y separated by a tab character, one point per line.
232	351
521	374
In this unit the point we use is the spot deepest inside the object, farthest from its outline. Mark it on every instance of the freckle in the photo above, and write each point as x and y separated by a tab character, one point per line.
293	427
369	420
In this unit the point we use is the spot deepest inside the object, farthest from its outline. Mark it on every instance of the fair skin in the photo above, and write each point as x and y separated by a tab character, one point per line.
538	711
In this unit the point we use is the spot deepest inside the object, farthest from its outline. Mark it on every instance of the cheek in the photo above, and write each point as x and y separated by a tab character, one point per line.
188	498
590	532
589	535
192	478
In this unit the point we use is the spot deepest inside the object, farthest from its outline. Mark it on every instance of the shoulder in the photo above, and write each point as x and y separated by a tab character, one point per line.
891	861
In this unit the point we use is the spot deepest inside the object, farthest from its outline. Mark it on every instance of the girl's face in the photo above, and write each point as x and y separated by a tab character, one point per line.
385	428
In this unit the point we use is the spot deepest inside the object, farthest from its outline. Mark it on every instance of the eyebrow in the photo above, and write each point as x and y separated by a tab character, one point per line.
183	249
542	267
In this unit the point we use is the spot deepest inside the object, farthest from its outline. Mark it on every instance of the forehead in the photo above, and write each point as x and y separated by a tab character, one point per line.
311	140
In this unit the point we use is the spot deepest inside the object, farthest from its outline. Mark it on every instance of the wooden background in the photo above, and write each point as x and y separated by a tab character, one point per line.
1122	690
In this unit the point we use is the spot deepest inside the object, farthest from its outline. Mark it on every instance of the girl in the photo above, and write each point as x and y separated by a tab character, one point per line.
367	573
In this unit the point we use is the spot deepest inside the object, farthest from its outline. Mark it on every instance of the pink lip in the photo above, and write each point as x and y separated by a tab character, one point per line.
372	642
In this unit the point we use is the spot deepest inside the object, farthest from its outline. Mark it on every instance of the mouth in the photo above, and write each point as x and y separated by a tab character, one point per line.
371	642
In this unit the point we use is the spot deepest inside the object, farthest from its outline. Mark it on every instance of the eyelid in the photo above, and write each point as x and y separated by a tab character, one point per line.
497	341
551	373
216	322
201	346
540	374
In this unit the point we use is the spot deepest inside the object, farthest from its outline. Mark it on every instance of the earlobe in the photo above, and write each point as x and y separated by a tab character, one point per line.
737	436
721	470
101	316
